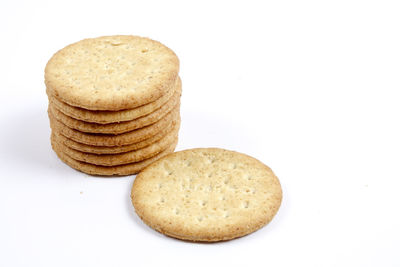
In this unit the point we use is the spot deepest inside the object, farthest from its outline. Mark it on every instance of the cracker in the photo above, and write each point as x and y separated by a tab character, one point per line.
112	72
92	169
118	127
114	140
105	117
122	158
206	194
172	129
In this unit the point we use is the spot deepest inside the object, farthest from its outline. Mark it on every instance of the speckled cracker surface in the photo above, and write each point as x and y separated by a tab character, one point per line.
112	72
105	117
206	194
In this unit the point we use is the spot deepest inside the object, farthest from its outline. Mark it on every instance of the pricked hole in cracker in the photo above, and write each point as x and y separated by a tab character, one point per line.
226	214
223	198
209	175
246	204
253	191
162	200
160	185
177	211
200	219
226	181
203	203
188	163
145	50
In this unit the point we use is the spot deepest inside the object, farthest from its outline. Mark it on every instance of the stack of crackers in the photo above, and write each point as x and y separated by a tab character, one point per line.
114	103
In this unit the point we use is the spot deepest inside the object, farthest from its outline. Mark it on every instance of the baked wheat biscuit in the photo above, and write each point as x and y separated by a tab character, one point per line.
172	129
118	127
114	140
122	158
126	169
105	117
112	72
206	194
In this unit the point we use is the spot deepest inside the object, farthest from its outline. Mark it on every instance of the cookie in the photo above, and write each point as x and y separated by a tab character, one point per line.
114	140
105	117
118	127
172	129
92	169
112	72
122	158
206	194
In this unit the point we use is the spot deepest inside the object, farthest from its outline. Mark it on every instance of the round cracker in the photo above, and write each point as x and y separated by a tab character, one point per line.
92	169
118	127
114	140
112	72
172	129
206	194
105	117
122	158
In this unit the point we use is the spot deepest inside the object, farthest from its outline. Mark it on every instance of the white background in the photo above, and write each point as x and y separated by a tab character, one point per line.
311	88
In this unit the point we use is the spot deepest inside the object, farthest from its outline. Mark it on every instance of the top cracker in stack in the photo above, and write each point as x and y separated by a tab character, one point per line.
113	103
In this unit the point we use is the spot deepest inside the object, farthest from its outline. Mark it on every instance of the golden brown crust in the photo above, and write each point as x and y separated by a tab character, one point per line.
105	116
206	194
122	158
114	140
127	169
172	129
111	72
118	127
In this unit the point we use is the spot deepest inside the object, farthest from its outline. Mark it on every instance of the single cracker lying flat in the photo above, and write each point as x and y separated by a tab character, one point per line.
118	127
206	194
105	117
171	130
112	72
114	140
122	158
92	169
